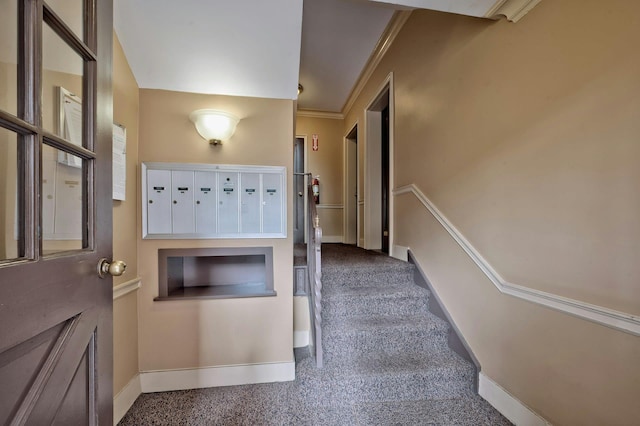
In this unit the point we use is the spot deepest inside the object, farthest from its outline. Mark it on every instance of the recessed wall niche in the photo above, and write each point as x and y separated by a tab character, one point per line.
215	273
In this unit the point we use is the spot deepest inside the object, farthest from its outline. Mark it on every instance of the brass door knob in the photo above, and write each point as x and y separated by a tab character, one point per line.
115	268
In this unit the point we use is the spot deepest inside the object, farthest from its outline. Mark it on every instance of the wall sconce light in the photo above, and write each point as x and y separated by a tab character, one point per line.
214	126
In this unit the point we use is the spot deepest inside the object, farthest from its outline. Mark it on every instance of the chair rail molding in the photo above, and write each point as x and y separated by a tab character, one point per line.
126	288
608	317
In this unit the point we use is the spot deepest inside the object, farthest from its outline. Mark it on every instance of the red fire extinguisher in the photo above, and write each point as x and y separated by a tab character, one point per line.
315	186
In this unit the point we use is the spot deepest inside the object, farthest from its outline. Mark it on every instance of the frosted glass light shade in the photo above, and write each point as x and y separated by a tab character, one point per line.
215	126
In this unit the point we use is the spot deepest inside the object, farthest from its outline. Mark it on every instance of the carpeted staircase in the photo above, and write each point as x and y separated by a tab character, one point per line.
386	363
386	356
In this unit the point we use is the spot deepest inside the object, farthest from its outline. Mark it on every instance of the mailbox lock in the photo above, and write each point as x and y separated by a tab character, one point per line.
198	202
150	201
175	202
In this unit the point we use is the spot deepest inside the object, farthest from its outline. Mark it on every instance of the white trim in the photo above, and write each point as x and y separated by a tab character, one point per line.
372	165
396	23
608	317
510	407
400	252
229	375
310	113
126	288
300	338
329	206
125	398
345	185
513	10
332	238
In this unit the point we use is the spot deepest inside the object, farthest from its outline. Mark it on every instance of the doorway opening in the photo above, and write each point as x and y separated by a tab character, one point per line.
378	208
299	191
351	199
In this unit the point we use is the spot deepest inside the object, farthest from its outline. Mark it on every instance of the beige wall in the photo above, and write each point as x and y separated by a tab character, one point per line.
326	162
204	333
526	137
125	234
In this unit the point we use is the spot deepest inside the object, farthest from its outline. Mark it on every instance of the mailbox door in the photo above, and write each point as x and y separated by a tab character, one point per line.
272	203
182	212
228	219
250	203
158	201
205	195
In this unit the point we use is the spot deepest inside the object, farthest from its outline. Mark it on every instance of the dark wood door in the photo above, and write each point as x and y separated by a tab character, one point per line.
55	219
386	192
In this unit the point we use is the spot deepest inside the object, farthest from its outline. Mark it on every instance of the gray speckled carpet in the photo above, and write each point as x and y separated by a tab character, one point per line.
386	363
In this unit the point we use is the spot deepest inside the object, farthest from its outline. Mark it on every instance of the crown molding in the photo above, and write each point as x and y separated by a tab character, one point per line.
513	10
396	23
319	114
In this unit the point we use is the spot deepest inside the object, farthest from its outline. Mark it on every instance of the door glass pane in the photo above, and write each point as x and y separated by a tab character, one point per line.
8	195
71	12
8	56
62	70
62	189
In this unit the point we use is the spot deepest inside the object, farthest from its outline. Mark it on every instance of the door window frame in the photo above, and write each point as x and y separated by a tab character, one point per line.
27	124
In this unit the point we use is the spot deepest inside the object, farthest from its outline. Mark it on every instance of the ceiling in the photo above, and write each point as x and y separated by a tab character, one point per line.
263	48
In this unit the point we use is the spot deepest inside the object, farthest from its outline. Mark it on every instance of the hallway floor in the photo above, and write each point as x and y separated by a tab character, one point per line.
291	403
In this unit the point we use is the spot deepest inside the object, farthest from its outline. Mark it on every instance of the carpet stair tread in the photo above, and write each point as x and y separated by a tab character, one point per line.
379	324
398	290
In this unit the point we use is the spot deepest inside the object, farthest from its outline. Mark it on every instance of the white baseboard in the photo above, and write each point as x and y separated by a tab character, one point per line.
510	407
300	338
400	252
125	398
332	238
169	380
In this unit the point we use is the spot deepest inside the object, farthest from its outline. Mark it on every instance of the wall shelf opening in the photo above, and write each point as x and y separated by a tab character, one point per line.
215	273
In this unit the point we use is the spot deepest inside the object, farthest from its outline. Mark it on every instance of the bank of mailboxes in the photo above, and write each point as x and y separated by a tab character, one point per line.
213	201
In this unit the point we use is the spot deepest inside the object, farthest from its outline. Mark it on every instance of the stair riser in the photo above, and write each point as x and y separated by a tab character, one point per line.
396	388
351	306
343	347
365	278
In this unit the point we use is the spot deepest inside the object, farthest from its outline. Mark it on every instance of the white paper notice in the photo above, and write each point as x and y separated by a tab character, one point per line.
119	162
72	131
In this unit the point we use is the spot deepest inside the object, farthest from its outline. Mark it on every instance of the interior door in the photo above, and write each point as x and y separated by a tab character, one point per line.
55	312
384	172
